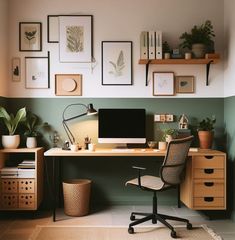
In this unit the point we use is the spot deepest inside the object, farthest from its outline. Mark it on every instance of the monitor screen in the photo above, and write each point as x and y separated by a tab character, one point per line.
122	126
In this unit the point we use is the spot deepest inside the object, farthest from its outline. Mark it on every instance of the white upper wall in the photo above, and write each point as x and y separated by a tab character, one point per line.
3	47
229	51
120	20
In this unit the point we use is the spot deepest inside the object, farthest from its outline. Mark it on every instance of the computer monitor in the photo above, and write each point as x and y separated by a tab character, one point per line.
122	126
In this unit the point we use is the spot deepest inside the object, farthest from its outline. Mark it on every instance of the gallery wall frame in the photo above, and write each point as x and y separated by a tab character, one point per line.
68	84
184	84
16	69
163	83
76	38
116	62
53	28
37	72
30	36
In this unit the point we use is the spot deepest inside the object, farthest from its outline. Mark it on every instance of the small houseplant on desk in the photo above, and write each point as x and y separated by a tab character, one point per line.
11	140
206	133
199	40
168	135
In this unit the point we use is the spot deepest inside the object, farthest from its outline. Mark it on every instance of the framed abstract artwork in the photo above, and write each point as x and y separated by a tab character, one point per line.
15	69
163	83
116	62
30	36
68	84
76	38
184	84
37	72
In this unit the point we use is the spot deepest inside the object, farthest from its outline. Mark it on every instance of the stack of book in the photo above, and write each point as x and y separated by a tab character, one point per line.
9	172
26	169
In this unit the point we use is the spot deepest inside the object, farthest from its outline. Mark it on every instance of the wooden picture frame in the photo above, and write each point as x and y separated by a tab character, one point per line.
76	38
37	72
16	69
184	84
68	84
30	36
163	84
116	62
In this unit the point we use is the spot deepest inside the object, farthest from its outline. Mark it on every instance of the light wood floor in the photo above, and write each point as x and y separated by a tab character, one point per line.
19	226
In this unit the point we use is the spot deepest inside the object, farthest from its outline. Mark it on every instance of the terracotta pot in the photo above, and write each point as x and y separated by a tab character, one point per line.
205	139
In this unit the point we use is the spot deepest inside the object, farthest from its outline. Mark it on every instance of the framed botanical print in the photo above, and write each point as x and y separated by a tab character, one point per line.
37	72
30	36
184	84
76	38
163	83
16	69
116	62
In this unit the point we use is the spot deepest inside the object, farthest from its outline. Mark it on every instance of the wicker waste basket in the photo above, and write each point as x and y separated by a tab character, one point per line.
76	197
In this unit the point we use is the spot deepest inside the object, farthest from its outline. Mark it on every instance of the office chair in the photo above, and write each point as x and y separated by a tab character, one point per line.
171	175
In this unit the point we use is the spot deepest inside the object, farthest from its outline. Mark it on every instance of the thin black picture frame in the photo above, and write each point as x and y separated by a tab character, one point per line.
23	48
104	81
48	28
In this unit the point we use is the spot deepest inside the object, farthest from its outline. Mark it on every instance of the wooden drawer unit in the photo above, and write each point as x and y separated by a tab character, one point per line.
26	200
9	185
26	185
205	184
9	201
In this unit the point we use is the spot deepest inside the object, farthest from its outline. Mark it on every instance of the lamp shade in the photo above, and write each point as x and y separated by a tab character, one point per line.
91	110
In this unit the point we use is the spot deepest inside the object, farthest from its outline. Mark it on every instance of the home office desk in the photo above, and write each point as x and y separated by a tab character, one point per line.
205	184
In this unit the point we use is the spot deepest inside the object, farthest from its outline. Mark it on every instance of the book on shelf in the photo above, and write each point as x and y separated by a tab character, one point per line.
152	42
144	45
158	44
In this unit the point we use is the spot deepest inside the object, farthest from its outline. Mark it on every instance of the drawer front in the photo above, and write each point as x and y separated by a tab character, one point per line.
208	162
208	202
9	185
9	201
209	188
208	173
26	186
26	200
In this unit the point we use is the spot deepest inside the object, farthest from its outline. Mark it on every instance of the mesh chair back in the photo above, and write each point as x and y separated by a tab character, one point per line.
173	167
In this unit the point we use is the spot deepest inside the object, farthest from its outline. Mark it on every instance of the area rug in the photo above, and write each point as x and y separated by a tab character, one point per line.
120	233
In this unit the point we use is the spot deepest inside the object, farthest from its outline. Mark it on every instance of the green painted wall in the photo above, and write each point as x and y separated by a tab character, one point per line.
109	174
229	117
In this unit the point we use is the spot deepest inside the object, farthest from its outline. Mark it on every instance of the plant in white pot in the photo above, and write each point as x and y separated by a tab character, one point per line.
31	125
12	122
168	135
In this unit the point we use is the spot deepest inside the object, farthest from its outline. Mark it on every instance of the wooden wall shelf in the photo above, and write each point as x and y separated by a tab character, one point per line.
205	61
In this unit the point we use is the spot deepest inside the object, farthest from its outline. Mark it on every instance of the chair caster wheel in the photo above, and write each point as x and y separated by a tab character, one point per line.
131	230
154	221
173	234
189	226
132	217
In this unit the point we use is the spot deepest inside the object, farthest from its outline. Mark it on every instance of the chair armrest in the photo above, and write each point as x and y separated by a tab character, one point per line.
139	174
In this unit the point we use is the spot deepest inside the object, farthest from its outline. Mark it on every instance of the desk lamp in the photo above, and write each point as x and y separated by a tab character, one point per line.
88	110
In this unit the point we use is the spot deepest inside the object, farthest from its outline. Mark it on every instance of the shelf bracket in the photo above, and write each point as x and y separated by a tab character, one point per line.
146	73
208	71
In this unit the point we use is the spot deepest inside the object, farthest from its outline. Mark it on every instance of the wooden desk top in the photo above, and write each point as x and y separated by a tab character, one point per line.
57	152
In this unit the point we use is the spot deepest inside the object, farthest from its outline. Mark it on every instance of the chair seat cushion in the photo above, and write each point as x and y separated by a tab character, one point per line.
150	182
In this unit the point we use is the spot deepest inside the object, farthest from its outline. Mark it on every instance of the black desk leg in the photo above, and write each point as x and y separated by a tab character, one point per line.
178	197
54	187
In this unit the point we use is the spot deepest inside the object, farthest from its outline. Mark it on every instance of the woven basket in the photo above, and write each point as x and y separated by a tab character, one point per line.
76	197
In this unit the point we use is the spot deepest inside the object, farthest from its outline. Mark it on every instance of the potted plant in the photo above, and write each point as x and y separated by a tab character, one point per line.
199	40
168	135
206	133
31	123
166	50
11	140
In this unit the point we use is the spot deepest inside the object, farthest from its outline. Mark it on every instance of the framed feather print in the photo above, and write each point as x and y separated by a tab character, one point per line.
75	38
116	62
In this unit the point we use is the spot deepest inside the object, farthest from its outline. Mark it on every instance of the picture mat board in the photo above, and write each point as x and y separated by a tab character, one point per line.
163	83
83	24
16	69
68	84
111	52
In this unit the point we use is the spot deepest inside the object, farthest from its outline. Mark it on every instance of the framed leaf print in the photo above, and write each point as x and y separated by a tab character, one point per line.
116	62
184	84
75	38
37	72
30	36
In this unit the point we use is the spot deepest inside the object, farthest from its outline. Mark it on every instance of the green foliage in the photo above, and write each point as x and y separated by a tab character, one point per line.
168	131
12	121
166	47
31	123
207	124
199	34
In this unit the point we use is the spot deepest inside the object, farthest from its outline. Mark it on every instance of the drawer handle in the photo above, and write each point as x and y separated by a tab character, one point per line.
208	171
208	199
208	184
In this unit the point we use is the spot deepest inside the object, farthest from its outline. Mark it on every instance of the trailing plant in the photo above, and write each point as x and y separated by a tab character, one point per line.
31	123
199	34
207	124
12	121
